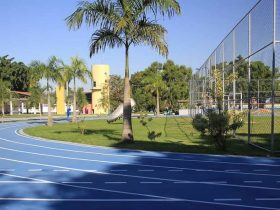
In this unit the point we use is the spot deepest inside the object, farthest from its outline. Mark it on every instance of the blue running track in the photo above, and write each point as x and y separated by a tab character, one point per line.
37	174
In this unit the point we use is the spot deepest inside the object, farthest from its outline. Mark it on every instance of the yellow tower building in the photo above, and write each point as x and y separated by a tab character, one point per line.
60	100
100	91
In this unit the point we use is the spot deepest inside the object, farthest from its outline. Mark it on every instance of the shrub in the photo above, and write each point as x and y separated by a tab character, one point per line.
200	123
217	124
82	126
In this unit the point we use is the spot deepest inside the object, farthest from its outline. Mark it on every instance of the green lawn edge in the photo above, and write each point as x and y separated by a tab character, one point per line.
178	135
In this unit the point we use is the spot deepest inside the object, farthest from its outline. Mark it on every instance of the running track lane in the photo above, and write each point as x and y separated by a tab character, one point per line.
51	175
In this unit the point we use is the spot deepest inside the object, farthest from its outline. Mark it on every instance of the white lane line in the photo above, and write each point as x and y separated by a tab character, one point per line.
150	182
191	182
278	181
61	170
117	155
85	200
115	182
122	163
260	170
91	188
130	193
76	182
35	170
175	170
7	170
145	170
252	181
227	199
232	170
23	182
118	170
142	177
267	199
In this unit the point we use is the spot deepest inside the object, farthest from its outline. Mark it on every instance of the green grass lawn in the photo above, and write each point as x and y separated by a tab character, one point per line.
178	135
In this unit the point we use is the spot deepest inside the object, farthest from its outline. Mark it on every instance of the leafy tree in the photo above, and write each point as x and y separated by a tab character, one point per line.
51	71
105	98
144	99
172	83
5	94
36	96
154	83
177	79
125	23
116	87
81	99
14	72
76	70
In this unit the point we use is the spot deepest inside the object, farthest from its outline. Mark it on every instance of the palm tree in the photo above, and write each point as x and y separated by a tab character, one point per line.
51	71
125	23
76	70
155	84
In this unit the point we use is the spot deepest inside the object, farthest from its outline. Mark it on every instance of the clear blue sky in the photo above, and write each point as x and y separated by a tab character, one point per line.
35	29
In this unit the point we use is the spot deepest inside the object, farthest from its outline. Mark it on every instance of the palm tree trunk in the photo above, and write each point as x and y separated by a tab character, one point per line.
74	119
127	134
157	102
50	120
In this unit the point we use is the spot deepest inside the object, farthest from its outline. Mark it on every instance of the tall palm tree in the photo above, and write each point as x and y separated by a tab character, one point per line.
51	71
76	70
124	23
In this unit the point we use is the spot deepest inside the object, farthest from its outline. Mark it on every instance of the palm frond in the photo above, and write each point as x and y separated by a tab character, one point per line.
151	34
100	12
167	8
104	38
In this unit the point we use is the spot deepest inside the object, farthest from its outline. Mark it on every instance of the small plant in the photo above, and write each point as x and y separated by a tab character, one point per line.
217	124
200	123
152	135
82	126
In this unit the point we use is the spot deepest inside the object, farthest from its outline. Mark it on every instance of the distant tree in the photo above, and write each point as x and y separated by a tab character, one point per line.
81	99
14	72
116	87
154	83
5	94
105	99
36	96
177	79
144	99
77	70
51	71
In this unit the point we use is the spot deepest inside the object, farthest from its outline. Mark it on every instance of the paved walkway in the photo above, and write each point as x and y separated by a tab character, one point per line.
49	175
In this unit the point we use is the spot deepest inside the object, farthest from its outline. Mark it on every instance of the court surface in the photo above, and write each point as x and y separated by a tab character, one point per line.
43	175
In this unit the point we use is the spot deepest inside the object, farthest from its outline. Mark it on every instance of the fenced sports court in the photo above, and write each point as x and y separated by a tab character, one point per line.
249	61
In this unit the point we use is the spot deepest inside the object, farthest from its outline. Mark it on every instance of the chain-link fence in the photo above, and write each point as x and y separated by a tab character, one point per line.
248	60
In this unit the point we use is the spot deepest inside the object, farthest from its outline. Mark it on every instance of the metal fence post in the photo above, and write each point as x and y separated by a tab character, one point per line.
233	69
273	78
249	78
